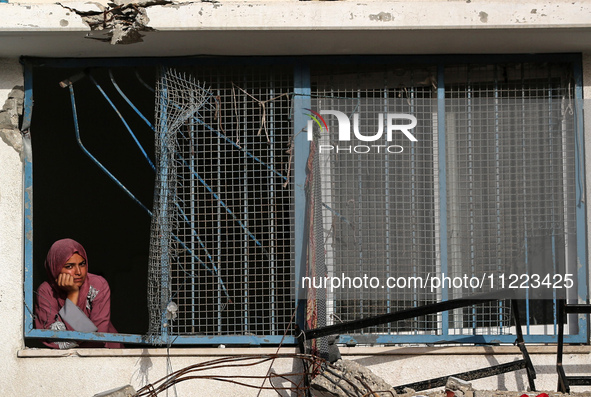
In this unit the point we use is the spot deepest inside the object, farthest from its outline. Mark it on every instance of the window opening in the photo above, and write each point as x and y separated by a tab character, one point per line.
509	201
224	215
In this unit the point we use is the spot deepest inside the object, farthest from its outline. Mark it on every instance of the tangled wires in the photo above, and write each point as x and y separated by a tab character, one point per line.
290	382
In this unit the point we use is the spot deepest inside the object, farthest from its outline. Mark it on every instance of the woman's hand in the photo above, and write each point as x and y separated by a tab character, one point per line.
66	283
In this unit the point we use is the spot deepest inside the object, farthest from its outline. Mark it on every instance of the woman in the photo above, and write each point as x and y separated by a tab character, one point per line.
73	299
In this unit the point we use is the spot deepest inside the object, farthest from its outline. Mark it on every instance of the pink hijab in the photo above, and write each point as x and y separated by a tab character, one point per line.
58	255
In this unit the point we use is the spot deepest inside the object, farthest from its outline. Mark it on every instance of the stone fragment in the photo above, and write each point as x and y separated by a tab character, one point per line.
456	387
346	379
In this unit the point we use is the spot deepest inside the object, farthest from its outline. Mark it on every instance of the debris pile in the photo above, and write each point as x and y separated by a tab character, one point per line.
347	378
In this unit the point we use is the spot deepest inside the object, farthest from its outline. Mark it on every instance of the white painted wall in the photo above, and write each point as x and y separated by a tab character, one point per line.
27	29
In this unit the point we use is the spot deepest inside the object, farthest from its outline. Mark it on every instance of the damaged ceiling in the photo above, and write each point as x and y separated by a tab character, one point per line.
118	22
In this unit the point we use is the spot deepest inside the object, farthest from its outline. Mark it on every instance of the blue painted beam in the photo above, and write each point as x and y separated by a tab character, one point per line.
302	100
250	340
443	339
28	195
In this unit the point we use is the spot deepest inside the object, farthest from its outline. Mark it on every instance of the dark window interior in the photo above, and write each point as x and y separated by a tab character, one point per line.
74	198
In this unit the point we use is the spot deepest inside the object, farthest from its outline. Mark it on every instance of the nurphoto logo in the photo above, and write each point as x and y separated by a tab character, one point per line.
395	123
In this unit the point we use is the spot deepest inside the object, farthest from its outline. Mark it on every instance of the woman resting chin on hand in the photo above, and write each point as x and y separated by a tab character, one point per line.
73	299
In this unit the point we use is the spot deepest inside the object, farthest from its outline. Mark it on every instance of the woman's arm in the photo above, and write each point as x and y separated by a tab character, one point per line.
46	316
46	307
100	313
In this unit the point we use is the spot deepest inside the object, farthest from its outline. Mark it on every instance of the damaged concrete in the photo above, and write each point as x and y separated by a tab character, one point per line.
347	378
9	118
119	22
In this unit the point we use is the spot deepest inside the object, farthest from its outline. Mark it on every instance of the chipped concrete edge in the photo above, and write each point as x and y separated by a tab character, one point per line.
117	23
9	118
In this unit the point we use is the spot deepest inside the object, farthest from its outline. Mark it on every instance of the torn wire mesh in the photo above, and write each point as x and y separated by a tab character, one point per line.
221	247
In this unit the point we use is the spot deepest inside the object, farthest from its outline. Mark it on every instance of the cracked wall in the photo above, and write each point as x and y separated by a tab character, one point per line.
9	118
11	100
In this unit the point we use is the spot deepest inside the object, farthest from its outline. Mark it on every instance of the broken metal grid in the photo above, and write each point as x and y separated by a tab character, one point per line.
230	269
408	96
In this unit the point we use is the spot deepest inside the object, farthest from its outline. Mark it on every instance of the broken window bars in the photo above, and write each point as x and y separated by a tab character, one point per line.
582	281
242	211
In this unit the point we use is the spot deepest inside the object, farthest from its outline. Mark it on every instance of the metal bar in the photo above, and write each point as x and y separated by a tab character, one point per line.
442	188
301	150
142	82
135	109
531	373
28	196
251	340
467	376
163	173
524	191
219	211
579	380
581	263
272	238
404	314
98	163
245	271
562	381
127	127
295	60
552	198
193	200
577	308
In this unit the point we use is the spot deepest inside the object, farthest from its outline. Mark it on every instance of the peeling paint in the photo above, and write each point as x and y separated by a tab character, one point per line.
120	23
483	16
9	118
382	17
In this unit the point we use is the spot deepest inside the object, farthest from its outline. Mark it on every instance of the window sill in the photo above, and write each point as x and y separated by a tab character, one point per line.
345	351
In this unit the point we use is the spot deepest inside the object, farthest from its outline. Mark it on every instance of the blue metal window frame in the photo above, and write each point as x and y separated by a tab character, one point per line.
302	91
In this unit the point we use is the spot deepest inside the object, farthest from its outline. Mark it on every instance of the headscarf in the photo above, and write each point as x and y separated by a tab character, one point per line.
58	255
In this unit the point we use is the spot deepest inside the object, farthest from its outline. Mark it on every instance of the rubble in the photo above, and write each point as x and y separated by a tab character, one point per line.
458	388
347	378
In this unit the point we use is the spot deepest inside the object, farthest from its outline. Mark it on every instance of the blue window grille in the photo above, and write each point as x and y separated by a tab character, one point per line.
234	261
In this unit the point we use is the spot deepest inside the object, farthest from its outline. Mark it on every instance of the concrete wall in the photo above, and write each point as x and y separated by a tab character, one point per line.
40	30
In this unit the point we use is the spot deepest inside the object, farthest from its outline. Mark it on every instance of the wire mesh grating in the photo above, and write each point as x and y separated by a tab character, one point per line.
509	144
230	268
509	139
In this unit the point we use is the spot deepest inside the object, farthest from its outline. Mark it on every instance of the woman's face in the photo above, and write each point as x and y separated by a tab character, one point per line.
76	267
